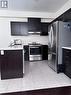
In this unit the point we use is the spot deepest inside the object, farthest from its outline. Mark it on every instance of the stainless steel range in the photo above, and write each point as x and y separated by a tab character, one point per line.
35	51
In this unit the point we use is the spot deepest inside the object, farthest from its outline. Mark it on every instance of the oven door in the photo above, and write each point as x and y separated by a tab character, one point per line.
35	50
35	53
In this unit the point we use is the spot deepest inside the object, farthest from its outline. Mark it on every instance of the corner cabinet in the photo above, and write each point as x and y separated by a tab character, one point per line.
44	29
11	64
66	61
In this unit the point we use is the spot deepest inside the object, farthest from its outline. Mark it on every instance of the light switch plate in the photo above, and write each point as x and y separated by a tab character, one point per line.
4	4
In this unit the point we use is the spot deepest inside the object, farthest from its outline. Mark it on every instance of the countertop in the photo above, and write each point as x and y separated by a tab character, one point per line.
16	47
67	48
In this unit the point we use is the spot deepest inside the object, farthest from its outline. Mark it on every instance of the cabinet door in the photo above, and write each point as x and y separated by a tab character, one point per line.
12	64
15	28
34	24
44	29
67	70
67	62
19	28
26	53
44	52
24	28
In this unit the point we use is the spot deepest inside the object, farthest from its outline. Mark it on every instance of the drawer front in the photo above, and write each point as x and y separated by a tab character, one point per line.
67	52
66	55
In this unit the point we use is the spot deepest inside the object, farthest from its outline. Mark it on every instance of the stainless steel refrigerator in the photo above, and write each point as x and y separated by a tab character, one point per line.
59	36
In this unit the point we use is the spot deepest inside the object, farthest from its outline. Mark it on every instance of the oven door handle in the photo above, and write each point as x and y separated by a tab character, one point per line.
33	47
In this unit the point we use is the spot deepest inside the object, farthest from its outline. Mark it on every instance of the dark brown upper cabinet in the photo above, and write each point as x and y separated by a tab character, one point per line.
34	24
44	29
19	28
66	16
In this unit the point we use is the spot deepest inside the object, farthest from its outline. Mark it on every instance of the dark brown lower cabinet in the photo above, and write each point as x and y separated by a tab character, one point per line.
49	91
44	50
66	60
12	64
26	52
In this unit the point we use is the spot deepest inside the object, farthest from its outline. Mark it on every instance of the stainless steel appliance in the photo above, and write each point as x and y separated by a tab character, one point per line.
59	36
35	52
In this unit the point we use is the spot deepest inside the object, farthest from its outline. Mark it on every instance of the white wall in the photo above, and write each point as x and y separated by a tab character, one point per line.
6	38
4	32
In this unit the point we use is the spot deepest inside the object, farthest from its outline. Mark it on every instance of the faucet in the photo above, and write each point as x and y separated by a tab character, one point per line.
11	44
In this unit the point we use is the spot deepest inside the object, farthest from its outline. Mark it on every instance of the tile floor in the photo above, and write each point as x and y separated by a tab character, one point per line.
38	75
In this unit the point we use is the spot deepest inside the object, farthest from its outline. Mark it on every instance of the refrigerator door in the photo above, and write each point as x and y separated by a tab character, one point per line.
52	46
52	38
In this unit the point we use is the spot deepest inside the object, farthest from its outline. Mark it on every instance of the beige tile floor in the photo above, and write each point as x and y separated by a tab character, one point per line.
38	75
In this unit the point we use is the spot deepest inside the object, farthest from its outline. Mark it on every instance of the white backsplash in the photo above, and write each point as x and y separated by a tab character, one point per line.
32	38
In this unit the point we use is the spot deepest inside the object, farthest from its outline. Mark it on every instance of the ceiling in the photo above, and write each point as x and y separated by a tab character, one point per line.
36	5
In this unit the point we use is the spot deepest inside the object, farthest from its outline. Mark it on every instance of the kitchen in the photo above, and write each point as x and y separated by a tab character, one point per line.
6	21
